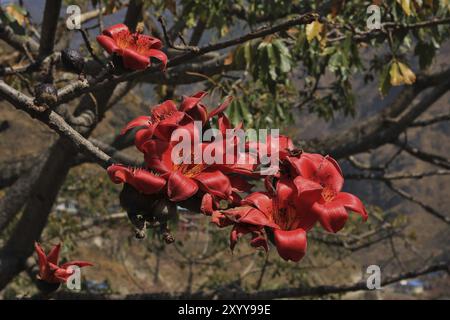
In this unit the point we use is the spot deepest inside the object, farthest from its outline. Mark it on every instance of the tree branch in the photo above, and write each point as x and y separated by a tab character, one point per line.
48	29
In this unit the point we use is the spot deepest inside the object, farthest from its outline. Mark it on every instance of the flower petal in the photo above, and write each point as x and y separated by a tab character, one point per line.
239	184
108	44
140	179
221	108
191	101
180	187
215	183
261	201
207	205
159	55
285	190
352	202
133	60
308	191
114	30
323	170
137	122
42	260
332	215
291	244
53	256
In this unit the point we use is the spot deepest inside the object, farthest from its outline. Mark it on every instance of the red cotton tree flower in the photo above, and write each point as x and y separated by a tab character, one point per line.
320	180
49	270
302	189
135	49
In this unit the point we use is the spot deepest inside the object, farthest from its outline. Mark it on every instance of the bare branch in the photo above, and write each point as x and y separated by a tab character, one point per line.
49	24
426	207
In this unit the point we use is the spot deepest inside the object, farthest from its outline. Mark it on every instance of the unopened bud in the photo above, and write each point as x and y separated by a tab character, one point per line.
72	60
46	94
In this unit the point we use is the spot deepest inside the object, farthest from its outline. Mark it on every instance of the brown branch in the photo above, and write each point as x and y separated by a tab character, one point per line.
386	126
425	206
396	176
54	121
290	292
74	90
434	159
49	25
433	120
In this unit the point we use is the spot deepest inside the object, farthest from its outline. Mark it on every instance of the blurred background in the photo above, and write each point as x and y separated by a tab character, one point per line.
319	85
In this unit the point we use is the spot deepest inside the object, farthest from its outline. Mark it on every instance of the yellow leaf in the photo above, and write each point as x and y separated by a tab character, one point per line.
406	6
408	75
313	30
16	14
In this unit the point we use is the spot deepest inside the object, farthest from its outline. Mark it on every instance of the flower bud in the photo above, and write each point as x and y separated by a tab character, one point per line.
72	60
46	93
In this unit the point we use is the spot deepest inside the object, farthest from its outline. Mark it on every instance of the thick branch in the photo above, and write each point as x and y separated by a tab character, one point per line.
49	24
290	292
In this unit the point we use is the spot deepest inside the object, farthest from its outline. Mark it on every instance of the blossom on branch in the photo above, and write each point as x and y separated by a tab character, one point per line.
135	49
49	270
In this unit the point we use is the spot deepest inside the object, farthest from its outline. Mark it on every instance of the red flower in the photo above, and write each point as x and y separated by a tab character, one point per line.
163	120
260	210
135	49
184	180
49	270
319	183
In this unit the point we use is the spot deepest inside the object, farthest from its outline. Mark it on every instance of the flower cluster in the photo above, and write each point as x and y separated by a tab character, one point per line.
304	189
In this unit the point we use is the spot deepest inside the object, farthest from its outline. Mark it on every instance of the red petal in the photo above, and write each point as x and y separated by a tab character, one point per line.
285	190
147	42
219	219
291	244
157	155
259	240
142	136
308	191
239	184
137	122
351	202
108	44
164	109
159	55
190	101
42	259
140	179
115	29
180	187
206	206
221	108
53	256
332	215
257	218
216	183
320	169
134	61
238	231
261	201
